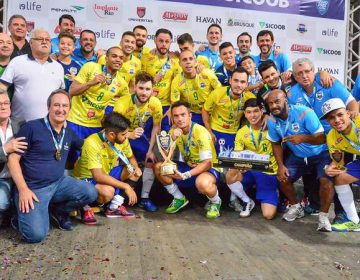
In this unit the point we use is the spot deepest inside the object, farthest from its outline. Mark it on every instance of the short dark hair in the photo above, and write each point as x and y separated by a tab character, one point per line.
112	48
185	38
265	32
225	45
88	31
245	58
142	27
214	25
16	16
266	65
240	69
253	102
57	91
143	77
164	31
128	33
180	103
244	34
115	122
67	35
66	16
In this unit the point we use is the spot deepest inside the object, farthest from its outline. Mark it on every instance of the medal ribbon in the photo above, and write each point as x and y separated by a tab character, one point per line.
58	145
231	102
166	65
119	153
186	145
352	143
253	137
140	117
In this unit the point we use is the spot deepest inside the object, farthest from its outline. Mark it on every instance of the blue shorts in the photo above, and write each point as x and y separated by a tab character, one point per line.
115	173
140	147
266	186
197	118
224	142
353	169
190	183
82	132
298	166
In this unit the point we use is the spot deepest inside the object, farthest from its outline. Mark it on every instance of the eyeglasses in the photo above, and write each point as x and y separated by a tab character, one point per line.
5	104
46	40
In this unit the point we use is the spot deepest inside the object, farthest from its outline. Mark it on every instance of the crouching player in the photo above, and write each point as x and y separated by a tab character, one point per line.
107	162
343	137
252	137
198	151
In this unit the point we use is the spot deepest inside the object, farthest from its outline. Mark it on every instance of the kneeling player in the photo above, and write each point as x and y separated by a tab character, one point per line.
343	137
252	137
198	151
101	155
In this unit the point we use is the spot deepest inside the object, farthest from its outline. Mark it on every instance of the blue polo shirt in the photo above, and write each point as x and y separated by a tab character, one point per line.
298	96
73	68
38	163
80	59
282	62
55	45
223	74
301	120
356	88
213	57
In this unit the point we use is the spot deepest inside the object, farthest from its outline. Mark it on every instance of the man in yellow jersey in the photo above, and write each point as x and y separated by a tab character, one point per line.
252	137
131	64
162	67
141	34
198	151
186	42
94	88
224	109
107	162
193	87
343	137
141	107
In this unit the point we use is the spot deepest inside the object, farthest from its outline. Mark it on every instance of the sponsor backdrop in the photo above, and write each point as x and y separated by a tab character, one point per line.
312	28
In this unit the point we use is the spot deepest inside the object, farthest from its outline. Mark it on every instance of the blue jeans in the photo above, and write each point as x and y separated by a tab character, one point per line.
6	185
66	194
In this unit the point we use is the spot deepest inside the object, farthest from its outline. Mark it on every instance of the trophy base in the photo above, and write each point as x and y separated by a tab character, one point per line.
168	169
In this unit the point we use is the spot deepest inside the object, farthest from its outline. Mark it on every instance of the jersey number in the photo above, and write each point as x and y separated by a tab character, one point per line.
100	96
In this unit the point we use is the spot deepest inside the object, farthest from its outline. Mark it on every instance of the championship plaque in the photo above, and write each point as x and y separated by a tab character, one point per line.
338	157
166	148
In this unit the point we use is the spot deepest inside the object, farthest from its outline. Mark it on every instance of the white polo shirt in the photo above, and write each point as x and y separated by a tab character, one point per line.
33	83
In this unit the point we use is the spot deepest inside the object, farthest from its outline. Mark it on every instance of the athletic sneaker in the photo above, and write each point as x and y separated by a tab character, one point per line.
214	210
88	217
293	213
120	212
324	223
345	225
147	205
248	207
61	221
176	205
236	205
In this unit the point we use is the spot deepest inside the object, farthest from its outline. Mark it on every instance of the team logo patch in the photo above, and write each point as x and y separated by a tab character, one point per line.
73	70
66	146
322	6
223	101
338	140
246	135
91	113
202	85
319	95
132	71
112	90
295	127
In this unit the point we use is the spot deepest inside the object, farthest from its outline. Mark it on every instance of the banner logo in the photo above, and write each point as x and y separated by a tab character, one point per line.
140	11
175	16
305	49
268	25
301	28
328	52
322	6
208	20
103	11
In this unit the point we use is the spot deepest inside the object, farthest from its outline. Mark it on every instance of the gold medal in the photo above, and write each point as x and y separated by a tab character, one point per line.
58	154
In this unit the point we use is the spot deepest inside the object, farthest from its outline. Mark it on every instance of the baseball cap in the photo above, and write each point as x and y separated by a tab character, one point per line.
331	105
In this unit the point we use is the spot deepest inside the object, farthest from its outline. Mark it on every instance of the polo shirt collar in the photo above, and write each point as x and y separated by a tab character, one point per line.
31	57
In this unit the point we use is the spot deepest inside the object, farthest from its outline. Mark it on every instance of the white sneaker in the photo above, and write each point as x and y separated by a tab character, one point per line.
324	223
246	211
294	213
236	205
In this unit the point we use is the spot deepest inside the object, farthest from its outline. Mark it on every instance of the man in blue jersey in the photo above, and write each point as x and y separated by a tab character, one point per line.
244	42
311	93
356	89
214	35
86	52
265	42
66	25
298	129
225	70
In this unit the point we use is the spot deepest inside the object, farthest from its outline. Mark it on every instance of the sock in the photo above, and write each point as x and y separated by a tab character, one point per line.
238	189
323	214
346	198
148	180
215	199
232	196
117	201
173	189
